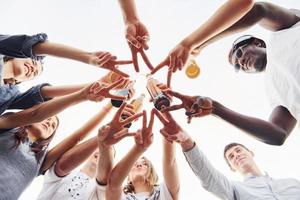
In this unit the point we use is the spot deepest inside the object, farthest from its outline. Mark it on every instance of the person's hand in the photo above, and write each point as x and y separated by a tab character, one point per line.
137	37
107	61
144	136
195	106
170	125
176	59
163	87
112	77
114	131
98	91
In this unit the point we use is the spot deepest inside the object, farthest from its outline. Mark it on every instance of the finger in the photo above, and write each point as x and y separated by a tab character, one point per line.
123	62
160	117
151	122
133	41
129	111
115	84
129	106
175	94
114	69
146	60
131	118
115	97
121	133
172	64
172	108
169	77
144	119
104	59
120	110
180	64
95	85
134	59
161	65
169	116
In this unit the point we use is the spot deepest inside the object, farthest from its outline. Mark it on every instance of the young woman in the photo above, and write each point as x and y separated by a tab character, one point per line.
25	136
141	176
87	183
20	61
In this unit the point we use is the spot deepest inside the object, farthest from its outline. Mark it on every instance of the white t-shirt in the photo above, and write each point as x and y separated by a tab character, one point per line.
163	194
282	77
76	185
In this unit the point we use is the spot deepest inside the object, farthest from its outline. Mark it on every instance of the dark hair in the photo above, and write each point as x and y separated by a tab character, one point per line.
37	146
229	146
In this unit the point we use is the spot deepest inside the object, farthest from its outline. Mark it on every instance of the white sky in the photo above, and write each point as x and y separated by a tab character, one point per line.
97	25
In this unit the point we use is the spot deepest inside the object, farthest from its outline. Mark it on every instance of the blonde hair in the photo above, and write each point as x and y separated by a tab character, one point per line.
151	179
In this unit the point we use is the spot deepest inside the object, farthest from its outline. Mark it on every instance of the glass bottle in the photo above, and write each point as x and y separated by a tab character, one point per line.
160	100
137	106
192	70
124	93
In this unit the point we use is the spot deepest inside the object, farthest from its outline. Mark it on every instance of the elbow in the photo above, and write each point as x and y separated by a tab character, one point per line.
278	141
246	4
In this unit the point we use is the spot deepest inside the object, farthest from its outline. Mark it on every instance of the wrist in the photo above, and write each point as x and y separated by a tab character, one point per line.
188	144
215	107
187	43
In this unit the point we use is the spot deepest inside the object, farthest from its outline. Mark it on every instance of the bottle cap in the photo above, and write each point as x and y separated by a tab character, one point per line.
192	70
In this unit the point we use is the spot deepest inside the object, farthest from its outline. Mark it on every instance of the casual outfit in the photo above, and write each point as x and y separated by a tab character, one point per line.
252	188
283	69
76	185
18	165
19	46
161	192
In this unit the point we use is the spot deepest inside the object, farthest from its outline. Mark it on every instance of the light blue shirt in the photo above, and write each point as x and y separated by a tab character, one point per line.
252	188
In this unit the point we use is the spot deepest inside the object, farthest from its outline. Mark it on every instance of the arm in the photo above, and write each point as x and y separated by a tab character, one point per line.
211	179
63	51
273	132
121	171
40	112
170	169
67	161
66	154
218	22
105	163
56	91
128	10
269	16
143	139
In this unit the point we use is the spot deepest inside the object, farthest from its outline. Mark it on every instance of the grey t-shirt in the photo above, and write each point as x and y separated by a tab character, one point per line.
18	165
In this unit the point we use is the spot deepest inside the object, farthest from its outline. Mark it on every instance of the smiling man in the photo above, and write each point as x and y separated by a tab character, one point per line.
256	185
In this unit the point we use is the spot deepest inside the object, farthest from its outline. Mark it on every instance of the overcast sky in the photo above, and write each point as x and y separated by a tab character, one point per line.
97	25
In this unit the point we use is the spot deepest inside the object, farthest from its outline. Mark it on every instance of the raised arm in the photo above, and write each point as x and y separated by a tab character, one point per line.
94	92
56	91
211	179
268	15
170	168
143	140
230	12
109	135
136	33
66	155
274	131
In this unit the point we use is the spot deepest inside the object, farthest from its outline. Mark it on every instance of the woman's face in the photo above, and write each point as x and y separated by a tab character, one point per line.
139	170
43	129
25	69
